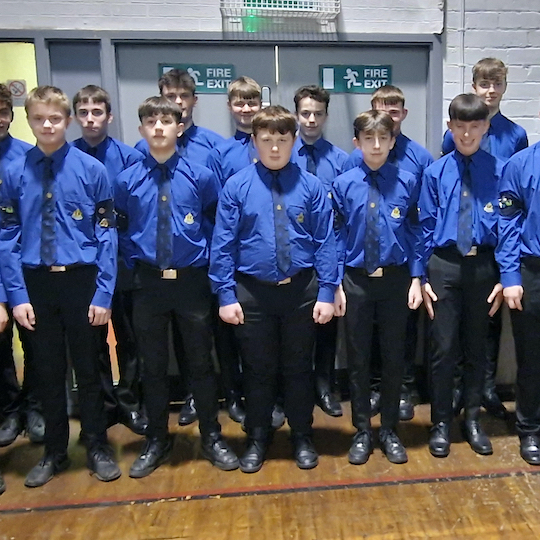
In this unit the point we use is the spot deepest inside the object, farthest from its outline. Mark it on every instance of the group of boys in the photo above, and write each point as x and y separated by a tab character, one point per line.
277	233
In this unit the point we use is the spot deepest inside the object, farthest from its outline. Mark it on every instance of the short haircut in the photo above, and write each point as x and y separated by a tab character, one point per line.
94	93
177	78
490	69
244	88
373	122
155	105
50	95
274	118
314	92
388	95
468	108
6	97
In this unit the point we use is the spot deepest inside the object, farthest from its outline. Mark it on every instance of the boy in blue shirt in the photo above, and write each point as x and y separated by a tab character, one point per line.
273	230
380	262
17	406
313	153
166	206
58	249
4	319
92	108
458	212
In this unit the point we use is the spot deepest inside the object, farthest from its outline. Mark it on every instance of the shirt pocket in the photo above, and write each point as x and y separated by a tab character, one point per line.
298	217
80	214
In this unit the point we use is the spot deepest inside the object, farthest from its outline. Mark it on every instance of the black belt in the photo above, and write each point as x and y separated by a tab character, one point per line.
453	251
163	273
379	272
301	274
58	268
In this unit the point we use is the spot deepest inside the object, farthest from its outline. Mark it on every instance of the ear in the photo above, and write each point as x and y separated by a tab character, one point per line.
392	142
196	98
448	125
180	131
141	131
110	119
405	113
356	143
68	120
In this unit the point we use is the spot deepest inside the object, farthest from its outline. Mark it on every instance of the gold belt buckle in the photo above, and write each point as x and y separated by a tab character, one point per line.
169	273
472	252
378	273
285	281
57	269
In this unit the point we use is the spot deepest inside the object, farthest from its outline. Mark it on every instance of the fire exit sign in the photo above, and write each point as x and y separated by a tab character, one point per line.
345	79
209	78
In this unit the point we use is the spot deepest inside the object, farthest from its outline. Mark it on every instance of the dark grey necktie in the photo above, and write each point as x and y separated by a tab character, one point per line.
310	157
164	236
371	241
464	235
47	251
281	226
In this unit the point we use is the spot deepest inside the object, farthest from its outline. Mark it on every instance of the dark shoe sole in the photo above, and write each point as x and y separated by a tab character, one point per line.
307	466
482	451
356	461
115	476
395	460
221	466
250	469
57	470
439	453
534	461
147	472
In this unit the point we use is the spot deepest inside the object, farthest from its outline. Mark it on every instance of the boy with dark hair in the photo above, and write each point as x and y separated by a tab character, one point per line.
273	230
58	249
518	255
318	156
458	212
18	407
380	264
92	108
166	207
414	158
195	142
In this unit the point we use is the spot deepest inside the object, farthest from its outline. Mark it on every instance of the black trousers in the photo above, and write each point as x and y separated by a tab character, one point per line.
462	285
277	338
61	301
188	301
526	328
383	299
325	353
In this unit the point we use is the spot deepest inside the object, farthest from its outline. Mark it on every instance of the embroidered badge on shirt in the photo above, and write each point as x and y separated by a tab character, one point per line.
488	207
189	219
300	218
329	195
77	215
396	214
104	223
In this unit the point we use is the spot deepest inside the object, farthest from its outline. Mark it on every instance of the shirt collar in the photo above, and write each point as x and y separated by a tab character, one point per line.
56	157
267	174
170	163
5	143
242	136
100	148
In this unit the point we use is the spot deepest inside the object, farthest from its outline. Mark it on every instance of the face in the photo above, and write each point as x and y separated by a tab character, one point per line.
375	147
94	121
396	111
312	117
161	132
274	148
6	117
48	123
183	98
468	135
490	91
243	110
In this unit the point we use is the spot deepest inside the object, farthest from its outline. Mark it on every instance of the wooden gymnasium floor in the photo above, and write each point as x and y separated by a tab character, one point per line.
462	496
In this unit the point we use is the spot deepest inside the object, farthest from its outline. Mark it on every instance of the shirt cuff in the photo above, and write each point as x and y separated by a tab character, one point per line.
227	297
326	293
16	298
510	279
102	299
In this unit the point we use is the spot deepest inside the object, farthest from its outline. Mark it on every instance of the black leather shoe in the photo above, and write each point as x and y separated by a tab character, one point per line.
216	450
2	485
304	452
392	447
135	421
100	460
458	400
155	452
494	406
188	412
406	407
439	439
35	427
329	404
253	458
529	449
278	416
361	448
375	402
476	437
45	470
237	411
10	429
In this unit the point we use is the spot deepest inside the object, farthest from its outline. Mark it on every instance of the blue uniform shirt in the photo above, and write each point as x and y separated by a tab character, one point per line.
440	197
519	219
84	223
115	155
329	159
194	195
231	156
194	144
505	138
409	156
244	235
10	149
400	235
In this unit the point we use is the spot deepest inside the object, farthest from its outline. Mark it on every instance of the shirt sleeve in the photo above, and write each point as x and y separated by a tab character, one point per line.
209	189
448	143
428	204
224	248
340	228
510	224
121	196
107	239
213	162
522	142
415	240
